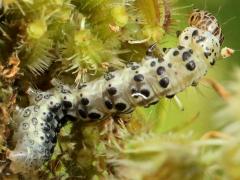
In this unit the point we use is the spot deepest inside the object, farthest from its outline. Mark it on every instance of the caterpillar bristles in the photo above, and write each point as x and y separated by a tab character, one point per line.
179	103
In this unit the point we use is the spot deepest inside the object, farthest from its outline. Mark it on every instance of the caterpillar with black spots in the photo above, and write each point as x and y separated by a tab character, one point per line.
120	91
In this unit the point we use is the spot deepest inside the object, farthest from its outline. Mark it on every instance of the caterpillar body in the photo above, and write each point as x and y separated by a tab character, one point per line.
120	91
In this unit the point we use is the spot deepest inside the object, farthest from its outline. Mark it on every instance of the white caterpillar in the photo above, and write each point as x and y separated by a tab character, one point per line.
117	92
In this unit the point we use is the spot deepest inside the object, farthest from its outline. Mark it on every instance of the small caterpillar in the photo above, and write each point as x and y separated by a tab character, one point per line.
116	92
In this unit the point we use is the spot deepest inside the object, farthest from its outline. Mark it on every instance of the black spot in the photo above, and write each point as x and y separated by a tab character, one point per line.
82	113
186	55
154	102
112	91
94	115
134	67
70	118
175	53
213	62
201	39
120	106
108	76
67	104
153	63
207	54
194	84
145	92
180	47
186	37
53	139
63	120
191	65
84	101
192	18
160	70
195	33
191	51
81	86
49	117
169	65
56	117
170	96
46	128
164	50
138	77
178	33
58	128
56	107
133	90
108	104
164	82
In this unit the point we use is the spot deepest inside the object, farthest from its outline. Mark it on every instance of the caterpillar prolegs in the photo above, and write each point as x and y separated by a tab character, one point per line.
120	91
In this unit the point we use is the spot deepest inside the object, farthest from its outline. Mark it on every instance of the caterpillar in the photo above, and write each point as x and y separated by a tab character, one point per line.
120	91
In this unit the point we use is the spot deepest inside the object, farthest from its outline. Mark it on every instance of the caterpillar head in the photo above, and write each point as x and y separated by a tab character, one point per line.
206	21
203	43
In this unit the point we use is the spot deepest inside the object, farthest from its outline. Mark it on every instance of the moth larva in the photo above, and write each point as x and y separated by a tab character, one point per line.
117	92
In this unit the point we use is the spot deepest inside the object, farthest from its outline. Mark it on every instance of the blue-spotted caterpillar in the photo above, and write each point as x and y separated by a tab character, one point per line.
116	92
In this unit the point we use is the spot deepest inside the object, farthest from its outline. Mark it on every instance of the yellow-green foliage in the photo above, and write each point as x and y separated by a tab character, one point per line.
36	47
83	52
84	36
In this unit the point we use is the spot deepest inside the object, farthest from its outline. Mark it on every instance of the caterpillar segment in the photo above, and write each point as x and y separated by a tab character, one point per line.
119	92
206	21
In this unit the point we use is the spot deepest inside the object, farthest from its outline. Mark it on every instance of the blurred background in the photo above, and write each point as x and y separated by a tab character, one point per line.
201	103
